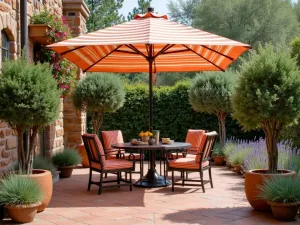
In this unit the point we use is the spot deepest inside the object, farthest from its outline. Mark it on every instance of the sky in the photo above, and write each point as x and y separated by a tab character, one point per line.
160	6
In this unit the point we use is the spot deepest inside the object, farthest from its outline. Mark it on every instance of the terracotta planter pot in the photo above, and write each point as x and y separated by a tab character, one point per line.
145	139
238	169
219	160
44	179
253	179
84	157
284	211
65	171
22	213
37	33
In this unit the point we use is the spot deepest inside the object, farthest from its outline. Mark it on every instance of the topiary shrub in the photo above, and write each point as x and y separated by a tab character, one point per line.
211	93
268	96
97	94
29	100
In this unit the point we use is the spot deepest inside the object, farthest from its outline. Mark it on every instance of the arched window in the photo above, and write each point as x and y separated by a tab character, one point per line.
4	46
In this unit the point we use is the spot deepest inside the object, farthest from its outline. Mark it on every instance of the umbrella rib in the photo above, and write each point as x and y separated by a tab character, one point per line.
226	56
102	58
71	50
123	51
204	58
183	50
136	50
163	50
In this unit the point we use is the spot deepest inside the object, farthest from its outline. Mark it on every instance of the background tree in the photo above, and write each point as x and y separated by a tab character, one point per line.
143	5
29	100
104	13
211	93
182	11
99	93
268	96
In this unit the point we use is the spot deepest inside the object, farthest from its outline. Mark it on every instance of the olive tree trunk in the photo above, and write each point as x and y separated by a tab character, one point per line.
25	156
272	130
222	129
97	120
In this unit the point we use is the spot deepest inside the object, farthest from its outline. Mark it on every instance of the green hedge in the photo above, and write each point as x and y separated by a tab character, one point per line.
172	114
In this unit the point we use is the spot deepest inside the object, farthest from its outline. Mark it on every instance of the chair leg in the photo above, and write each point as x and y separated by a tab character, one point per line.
173	180
130	177
182	179
210	178
90	180
100	186
105	175
202	183
187	174
118	178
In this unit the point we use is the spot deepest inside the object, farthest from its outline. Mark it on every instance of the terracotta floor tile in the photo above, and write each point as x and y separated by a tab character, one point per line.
224	204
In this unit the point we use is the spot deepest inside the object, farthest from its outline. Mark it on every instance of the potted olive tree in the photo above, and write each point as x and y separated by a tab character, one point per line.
65	161
267	97
283	195
211	93
97	94
21	196
29	101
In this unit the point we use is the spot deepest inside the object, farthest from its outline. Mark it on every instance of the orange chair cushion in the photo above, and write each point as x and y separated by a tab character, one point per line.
186	163
201	147
114	164
194	138
111	137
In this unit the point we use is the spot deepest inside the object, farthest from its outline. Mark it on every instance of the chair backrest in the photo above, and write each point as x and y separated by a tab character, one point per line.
194	137
93	148
111	137
207	144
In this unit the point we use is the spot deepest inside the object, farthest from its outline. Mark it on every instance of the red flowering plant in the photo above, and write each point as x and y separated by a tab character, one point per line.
63	71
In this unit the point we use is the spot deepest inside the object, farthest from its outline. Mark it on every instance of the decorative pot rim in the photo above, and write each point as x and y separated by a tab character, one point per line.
283	204
219	156
39	25
19	206
266	172
39	173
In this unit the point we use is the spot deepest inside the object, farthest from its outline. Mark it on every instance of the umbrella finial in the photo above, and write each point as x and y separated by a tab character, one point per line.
150	9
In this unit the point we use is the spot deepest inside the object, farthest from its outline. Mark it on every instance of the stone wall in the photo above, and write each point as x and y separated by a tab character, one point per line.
77	12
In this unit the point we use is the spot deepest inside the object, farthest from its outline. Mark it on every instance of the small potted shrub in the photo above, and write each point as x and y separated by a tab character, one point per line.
218	157
21	196
237	158
283	195
65	161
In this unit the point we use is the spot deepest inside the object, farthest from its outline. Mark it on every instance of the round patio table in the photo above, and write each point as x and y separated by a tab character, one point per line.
152	178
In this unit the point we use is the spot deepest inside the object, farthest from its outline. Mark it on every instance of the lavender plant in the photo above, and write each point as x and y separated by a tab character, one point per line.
258	158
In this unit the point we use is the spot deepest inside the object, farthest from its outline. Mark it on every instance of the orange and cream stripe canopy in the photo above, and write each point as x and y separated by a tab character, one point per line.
153	43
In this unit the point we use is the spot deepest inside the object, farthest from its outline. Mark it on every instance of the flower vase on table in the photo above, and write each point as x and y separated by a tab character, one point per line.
145	136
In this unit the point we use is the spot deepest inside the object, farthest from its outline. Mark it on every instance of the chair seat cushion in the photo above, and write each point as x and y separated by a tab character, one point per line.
113	164
186	163
136	155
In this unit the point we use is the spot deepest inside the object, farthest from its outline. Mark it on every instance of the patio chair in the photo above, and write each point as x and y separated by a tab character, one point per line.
194	138
199	163
99	163
115	136
112	137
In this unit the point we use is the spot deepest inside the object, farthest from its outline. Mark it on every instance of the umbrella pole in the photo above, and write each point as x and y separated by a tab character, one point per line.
150	95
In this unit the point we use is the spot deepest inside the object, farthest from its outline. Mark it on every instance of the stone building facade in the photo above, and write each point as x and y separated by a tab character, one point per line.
67	130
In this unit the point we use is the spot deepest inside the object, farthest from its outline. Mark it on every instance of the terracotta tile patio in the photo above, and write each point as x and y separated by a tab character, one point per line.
226	204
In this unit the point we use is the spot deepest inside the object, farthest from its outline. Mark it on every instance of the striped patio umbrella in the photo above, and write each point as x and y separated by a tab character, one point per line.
150	43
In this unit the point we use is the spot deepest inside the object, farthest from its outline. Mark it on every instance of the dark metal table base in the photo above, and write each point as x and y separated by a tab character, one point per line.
152	179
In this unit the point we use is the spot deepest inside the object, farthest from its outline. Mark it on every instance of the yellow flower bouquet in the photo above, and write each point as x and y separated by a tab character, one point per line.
145	135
